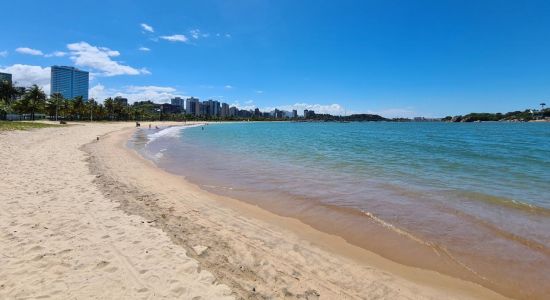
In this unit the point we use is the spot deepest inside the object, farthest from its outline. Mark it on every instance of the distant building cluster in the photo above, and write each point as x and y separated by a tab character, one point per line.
215	109
71	82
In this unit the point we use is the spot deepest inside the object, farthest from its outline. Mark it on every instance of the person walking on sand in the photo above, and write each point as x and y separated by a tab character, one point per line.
149	126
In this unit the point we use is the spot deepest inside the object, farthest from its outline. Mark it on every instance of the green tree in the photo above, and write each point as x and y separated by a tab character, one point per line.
7	95
53	105
78	107
66	108
109	106
91	109
32	102
7	92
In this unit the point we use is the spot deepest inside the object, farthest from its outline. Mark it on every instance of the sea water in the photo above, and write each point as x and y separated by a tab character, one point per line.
468	199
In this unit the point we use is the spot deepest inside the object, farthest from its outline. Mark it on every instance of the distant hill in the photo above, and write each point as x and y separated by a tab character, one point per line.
526	115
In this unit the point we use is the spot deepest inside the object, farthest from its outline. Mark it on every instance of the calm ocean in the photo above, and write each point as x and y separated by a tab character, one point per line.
468	199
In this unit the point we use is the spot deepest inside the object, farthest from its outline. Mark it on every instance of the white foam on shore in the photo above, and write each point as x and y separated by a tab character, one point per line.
170	132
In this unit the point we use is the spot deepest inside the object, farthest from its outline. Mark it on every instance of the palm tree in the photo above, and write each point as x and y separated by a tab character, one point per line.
32	102
53	104
7	92
66	107
7	95
78	106
91	105
109	105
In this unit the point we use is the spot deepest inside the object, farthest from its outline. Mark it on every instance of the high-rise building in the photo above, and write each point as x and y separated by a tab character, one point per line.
308	114
178	102
233	111
225	110
5	77
167	108
70	82
202	108
212	108
278	114
121	100
294	114
216	109
192	106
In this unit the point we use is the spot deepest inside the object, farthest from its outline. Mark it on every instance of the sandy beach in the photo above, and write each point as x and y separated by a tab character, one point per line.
83	218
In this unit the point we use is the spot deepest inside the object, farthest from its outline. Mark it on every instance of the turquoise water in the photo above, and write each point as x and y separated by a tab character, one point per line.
473	193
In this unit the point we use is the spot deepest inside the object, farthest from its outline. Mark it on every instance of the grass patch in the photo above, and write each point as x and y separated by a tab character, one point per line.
15	125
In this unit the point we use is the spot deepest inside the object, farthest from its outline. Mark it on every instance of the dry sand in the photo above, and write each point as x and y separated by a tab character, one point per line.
81	218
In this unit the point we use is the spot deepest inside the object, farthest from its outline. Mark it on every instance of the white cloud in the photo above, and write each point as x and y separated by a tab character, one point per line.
144	71
146	27
29	51
3	53
158	94
175	38
98	92
56	54
197	34
259	92
247	106
228	86
99	59
145	49
227	35
27	75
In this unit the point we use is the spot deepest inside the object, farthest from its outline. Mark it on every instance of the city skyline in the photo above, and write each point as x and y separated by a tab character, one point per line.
397	60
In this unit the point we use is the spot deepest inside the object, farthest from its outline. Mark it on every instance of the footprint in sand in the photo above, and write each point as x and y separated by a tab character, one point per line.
102	264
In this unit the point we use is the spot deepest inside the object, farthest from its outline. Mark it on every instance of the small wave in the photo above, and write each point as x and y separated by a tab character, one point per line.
504	202
438	249
169	132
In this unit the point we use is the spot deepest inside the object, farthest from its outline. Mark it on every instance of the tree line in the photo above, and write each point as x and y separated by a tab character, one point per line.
33	102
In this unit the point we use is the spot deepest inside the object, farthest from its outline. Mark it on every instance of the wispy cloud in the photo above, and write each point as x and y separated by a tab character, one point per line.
27	75
228	87
3	53
259	92
56	54
175	38
147	28
29	51
145	49
36	52
100	59
197	34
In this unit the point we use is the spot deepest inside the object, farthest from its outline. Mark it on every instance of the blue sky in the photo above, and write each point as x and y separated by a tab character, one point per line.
396	58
